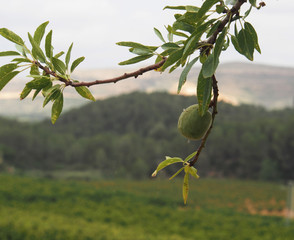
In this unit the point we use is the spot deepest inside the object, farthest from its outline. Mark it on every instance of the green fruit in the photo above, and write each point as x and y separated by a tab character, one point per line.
192	125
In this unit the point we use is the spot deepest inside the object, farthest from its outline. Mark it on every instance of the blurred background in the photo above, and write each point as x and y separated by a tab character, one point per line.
88	176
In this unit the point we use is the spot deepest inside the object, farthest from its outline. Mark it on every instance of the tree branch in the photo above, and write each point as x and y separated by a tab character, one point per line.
134	74
213	104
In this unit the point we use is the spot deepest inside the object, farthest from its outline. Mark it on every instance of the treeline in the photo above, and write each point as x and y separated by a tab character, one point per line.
128	135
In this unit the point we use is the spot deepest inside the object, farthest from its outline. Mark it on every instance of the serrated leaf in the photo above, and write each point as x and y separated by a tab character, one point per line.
39	33
5	79
48	45
185	73
67	57
11	36
37	50
158	34
193	172
85	92
168	161
246	43
59	65
253	33
204	87
136	59
177	173
9	53
57	108
25	92
76	63
186	186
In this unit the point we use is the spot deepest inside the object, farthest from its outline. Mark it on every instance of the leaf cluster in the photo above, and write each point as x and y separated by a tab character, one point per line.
45	68
189	40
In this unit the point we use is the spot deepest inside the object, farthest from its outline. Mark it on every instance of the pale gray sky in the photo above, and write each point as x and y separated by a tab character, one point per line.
96	25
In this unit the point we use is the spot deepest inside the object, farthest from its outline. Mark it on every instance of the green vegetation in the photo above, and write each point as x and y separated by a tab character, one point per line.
127	136
33	208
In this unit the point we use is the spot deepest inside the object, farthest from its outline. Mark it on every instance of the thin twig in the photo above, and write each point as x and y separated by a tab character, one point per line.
213	104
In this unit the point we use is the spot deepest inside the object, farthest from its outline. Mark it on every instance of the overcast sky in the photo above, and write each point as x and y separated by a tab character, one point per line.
96	25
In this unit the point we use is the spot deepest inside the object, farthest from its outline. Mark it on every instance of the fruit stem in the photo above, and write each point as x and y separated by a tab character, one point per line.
213	105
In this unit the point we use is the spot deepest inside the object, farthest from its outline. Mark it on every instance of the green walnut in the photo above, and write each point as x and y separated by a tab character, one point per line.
192	125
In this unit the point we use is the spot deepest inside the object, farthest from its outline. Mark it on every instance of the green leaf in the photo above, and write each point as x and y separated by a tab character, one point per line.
158	34
57	108
193	172
25	92
174	57
20	60
5	79
234	40
253	2
85	92
39	33
177	173
58	55
170	45
9	53
76	63
175	7
253	33
181	25
133	45
34	70
204	87
11	36
204	8
51	94
190	156
39	83
186	186
48	45
67	57
136	59
210	65
140	51
191	44
185	72
246	43
37	50
5	69
168	161
22	49
59	65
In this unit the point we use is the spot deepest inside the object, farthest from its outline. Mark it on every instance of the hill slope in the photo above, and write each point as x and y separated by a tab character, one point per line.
267	86
127	136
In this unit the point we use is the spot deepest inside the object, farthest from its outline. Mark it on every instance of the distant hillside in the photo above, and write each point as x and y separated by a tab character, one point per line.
128	135
267	86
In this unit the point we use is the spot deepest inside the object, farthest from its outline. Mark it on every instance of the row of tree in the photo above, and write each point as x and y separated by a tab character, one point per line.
128	135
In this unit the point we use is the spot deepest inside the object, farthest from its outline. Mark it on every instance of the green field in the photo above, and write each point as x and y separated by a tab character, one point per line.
45	209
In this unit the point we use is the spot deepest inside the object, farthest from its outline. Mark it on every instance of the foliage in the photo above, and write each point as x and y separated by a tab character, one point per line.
33	208
130	143
197	33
